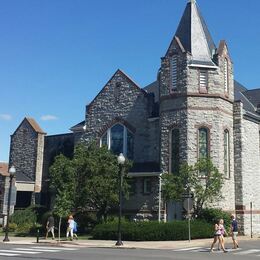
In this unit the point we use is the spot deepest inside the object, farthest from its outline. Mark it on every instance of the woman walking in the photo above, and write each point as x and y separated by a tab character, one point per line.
219	232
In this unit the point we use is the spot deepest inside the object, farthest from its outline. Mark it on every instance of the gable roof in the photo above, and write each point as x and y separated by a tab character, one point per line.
194	35
34	125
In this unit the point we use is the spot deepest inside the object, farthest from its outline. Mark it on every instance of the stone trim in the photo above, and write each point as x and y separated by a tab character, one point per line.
116	120
197	108
191	94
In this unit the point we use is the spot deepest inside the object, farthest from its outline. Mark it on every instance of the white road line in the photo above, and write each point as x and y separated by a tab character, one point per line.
40	250
57	248
187	249
6	254
18	251
246	252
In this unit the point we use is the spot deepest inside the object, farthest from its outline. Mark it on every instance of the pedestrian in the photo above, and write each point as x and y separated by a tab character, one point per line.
50	226
70	226
75	229
218	231
234	231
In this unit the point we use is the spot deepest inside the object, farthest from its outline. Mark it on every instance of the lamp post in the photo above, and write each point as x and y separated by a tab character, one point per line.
121	161
12	174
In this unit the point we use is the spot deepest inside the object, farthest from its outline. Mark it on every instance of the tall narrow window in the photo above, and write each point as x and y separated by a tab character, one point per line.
203	143
226	75
173	73
175	150
226	154
203	81
147	185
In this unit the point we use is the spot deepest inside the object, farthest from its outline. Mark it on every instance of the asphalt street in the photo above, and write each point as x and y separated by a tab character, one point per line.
249	250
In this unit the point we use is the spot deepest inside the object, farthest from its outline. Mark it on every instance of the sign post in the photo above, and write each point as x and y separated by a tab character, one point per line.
188	205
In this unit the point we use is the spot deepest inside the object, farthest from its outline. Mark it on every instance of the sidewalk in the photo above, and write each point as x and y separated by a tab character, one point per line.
127	244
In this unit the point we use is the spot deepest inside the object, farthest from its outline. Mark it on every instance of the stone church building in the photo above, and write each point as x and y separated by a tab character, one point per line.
195	109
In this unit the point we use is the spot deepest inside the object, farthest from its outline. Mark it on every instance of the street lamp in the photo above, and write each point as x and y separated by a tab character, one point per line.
121	161
12	174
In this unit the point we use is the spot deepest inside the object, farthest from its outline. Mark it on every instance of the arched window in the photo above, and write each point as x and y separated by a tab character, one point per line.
175	150
226	154
119	139
226	75
203	143
173	66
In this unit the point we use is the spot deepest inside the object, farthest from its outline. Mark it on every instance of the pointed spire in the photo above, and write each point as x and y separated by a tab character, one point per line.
194	34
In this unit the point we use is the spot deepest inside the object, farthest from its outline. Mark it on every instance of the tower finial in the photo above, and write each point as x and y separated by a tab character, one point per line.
192	1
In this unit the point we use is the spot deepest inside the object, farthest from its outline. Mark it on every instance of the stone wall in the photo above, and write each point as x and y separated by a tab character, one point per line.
23	150
128	105
251	174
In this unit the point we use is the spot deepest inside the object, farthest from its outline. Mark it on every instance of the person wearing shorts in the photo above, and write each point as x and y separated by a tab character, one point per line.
50	227
218	236
234	231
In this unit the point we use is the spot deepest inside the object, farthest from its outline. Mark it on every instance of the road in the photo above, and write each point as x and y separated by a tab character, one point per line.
249	250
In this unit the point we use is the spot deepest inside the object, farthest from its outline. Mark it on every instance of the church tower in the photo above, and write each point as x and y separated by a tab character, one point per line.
196	101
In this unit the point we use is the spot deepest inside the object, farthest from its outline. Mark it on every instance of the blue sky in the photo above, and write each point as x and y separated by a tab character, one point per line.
56	55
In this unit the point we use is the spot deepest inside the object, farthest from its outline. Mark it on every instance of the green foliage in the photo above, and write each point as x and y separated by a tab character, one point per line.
23	217
214	215
153	231
12	227
202	179
89	180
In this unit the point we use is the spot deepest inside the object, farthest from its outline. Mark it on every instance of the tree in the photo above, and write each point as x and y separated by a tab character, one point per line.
97	174
88	181
202	179
63	183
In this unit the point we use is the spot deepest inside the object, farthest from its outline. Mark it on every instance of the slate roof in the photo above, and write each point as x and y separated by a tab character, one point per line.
78	127
249	98
194	34
254	96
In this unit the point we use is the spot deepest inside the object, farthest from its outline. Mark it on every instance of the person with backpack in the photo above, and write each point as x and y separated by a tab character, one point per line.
75	230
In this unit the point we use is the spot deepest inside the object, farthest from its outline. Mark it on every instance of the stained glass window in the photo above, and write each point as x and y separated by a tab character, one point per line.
175	150
203	143
119	140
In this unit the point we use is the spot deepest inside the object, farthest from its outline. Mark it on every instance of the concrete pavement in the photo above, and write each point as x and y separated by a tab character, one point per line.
127	244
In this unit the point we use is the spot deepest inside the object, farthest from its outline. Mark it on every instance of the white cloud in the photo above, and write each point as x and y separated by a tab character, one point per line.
5	117
48	117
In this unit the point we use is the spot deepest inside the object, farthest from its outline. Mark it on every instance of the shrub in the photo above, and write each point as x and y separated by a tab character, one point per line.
12	227
212	216
22	217
153	231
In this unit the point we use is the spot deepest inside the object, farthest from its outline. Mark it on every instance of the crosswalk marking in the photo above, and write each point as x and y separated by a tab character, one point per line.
187	249
6	254
246	252
18	251
55	248
35	249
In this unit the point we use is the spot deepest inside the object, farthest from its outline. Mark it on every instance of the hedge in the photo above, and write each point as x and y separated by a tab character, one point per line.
153	231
